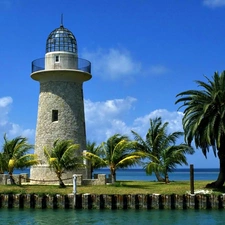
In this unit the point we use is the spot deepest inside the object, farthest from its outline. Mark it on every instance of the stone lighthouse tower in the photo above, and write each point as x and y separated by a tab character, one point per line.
61	108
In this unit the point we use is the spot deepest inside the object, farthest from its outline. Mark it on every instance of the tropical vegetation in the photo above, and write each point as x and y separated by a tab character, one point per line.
204	119
159	149
95	149
118	152
3	164
15	155
62	157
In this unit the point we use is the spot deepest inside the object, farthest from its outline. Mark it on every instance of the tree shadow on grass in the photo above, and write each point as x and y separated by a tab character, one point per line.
144	185
220	190
133	184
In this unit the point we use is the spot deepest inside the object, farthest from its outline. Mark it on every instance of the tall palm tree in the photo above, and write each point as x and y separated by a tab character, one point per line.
3	164
15	155
118	152
204	119
62	157
160	150
96	150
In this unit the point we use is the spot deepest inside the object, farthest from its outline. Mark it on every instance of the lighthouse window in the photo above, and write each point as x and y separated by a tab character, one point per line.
57	58
54	115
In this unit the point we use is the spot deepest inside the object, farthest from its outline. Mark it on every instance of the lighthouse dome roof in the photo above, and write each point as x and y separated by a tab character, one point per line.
61	39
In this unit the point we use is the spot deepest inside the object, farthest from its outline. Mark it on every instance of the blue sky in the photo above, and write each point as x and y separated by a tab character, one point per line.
142	52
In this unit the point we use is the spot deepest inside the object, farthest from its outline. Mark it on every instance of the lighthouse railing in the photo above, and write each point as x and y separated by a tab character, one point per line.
81	64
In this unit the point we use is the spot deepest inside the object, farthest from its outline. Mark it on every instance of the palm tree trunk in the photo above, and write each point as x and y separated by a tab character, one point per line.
221	177
92	170
61	184
113	178
11	178
113	175
158	177
167	178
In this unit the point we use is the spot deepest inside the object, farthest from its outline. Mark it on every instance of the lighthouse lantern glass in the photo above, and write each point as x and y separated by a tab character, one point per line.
61	39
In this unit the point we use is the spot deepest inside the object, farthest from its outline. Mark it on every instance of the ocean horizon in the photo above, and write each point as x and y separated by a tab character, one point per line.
139	174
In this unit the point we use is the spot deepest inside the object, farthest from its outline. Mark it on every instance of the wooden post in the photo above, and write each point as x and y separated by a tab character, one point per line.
192	179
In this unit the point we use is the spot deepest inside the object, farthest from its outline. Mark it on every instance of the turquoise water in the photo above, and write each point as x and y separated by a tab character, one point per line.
140	174
178	174
108	217
118	217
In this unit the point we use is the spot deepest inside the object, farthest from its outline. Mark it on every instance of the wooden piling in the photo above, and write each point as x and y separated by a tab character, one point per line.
192	179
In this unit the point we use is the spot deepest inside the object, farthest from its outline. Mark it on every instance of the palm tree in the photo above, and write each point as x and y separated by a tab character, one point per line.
15	155
61	157
204	119
118	152
96	150
3	164
160	149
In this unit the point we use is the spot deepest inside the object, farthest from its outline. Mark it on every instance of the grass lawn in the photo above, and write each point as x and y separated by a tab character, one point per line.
121	187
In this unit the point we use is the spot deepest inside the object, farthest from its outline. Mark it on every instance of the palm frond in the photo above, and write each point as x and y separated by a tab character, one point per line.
96	158
204	112
62	156
15	154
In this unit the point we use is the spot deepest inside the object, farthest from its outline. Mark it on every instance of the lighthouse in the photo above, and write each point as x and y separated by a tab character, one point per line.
61	105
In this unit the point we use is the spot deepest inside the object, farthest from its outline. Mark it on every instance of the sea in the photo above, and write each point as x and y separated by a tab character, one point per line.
124	217
140	174
111	217
175	175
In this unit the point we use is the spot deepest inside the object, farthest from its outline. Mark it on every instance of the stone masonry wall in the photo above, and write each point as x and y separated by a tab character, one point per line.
67	98
102	201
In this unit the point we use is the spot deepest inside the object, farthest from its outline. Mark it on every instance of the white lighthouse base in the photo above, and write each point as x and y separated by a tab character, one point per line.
42	174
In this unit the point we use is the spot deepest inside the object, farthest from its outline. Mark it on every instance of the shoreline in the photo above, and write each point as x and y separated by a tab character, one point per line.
113	202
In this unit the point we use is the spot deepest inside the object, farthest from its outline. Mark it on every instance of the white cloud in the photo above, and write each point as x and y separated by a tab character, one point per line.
141	124
5	101
113	63
5	104
158	70
104	119
10	128
111	108
118	64
214	3
17	130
